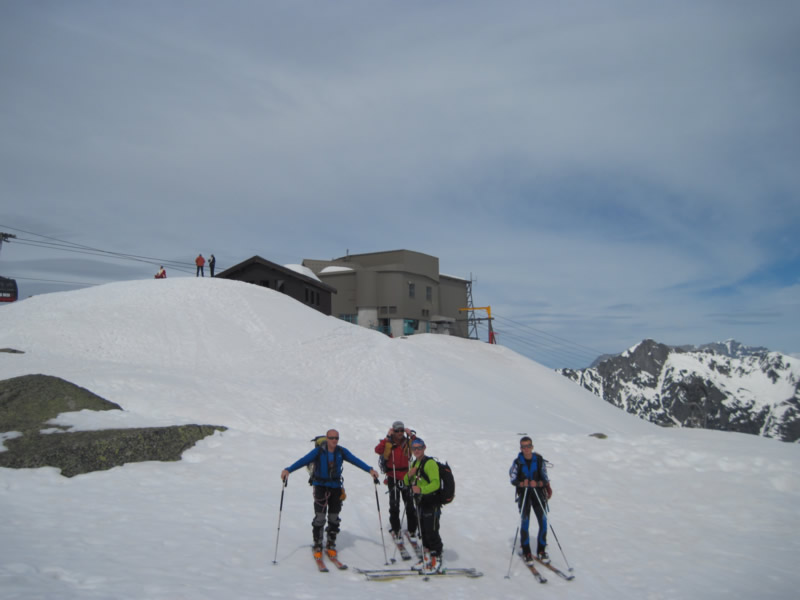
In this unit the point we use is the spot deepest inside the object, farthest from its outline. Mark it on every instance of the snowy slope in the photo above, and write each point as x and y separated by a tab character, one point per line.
647	512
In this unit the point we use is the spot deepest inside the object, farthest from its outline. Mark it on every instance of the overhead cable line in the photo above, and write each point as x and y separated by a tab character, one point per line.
66	246
550	335
539	351
55	281
179	266
540	343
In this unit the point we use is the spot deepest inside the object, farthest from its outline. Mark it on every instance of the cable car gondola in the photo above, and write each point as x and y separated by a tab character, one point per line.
8	290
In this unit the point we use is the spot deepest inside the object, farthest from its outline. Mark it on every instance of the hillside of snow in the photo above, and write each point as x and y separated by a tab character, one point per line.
646	513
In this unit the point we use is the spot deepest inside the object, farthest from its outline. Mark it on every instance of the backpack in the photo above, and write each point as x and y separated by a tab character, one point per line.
318	441
388	450
447	483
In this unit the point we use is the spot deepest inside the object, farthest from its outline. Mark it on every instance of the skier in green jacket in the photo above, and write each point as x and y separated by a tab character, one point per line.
423	478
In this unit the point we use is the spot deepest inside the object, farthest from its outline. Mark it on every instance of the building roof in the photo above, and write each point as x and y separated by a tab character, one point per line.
290	272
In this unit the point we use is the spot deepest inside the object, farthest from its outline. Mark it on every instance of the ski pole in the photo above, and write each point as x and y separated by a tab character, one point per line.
380	521
418	506
400	533
280	513
550	525
519	526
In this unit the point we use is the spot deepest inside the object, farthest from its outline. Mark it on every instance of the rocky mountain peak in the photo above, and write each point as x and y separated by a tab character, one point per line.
722	385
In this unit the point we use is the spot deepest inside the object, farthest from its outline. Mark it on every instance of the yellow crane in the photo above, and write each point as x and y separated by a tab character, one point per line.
488	318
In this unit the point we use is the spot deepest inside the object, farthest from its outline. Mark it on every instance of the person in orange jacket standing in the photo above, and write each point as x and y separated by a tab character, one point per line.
395	451
200	262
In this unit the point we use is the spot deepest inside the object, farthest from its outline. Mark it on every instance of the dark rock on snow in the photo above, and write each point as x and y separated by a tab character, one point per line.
28	402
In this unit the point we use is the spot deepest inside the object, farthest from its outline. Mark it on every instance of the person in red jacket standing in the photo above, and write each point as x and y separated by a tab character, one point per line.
200	262
395	451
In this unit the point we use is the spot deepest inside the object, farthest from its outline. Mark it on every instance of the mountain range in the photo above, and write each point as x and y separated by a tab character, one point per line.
722	385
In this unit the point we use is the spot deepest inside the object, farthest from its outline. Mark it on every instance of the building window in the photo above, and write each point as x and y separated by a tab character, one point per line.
426	312
384	310
392	310
412	289
264	283
428	293
279	284
349	318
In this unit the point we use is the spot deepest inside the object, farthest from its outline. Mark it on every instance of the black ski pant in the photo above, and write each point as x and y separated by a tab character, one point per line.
327	506
430	512
398	491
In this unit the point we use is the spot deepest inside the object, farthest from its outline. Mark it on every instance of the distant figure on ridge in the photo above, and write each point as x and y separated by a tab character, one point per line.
211	263
200	262
162	274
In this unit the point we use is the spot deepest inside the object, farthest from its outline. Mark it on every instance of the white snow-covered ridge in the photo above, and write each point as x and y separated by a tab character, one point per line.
646	512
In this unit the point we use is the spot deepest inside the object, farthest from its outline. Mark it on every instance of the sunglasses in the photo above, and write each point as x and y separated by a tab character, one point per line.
330	437
523	446
399	430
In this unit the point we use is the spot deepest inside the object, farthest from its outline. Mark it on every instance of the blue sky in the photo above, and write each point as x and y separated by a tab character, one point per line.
607	172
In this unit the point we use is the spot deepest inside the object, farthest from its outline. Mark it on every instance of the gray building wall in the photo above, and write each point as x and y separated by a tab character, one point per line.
399	292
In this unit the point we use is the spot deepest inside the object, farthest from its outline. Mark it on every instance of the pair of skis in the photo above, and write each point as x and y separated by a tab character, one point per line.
391	574
401	547
541	578
323	568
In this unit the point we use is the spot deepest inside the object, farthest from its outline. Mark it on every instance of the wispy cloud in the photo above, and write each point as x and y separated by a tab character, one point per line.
572	156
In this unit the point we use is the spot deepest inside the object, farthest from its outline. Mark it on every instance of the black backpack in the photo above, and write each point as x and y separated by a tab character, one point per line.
447	483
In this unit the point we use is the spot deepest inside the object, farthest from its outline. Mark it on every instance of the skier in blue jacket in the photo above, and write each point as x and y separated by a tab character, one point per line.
328	459
529	471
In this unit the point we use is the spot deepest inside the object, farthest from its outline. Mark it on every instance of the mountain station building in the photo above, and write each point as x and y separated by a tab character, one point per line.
399	292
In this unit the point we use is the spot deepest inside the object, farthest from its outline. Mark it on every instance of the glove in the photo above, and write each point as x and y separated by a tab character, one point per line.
548	489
